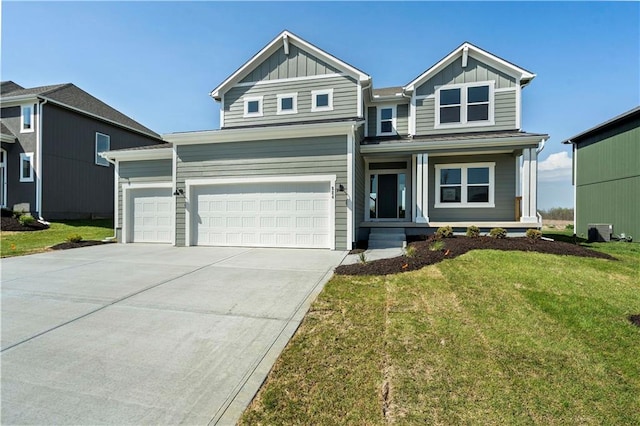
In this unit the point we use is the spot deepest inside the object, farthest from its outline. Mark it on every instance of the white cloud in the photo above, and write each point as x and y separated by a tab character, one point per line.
557	167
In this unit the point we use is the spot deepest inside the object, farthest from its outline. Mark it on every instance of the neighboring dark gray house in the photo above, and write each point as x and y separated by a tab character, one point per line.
309	154
51	140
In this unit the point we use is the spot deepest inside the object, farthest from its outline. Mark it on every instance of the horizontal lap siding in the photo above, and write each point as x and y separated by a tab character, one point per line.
302	156
344	101
504	195
148	171
402	120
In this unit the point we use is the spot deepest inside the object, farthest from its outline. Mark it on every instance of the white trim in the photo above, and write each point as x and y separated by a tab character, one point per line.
222	111
465	56
350	189
394	115
575	187
246	101
163	153
97	154
464	185
422	188
285	43
5	186
449	145
294	103
27	156
116	184
314	100
518	105
464	105
174	186
359	100
126	188
190	185
32	118
289	80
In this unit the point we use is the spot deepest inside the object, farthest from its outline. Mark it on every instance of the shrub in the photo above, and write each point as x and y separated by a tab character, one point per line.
26	219
444	232
362	257
569	226
74	238
436	245
473	232
410	251
533	234
498	233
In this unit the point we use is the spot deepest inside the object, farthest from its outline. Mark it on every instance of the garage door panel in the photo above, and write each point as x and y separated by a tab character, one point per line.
151	215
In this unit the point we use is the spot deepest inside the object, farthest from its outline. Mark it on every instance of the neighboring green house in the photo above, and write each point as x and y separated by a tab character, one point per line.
606	175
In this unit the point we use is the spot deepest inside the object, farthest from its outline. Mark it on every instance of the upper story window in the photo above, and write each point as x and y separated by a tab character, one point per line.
26	167
322	100
103	143
465	185
253	106
288	103
469	104
386	120
27	118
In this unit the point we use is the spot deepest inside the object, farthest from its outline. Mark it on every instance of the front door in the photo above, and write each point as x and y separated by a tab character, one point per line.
387	196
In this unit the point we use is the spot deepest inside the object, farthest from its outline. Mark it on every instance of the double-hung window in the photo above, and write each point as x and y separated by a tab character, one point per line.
26	167
103	143
322	100
465	185
460	105
27	118
287	103
253	106
386	120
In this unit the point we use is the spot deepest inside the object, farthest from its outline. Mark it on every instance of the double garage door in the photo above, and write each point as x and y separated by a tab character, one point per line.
268	214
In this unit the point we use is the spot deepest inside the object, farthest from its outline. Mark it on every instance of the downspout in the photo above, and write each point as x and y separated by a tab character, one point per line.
39	136
117	183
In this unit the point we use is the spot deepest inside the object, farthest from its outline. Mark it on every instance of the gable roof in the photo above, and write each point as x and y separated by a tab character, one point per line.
283	38
467	48
70	96
631	114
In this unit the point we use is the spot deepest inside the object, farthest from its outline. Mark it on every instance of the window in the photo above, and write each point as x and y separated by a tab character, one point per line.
387	120
464	105
103	143
288	103
322	100
26	118
253	106
26	167
464	185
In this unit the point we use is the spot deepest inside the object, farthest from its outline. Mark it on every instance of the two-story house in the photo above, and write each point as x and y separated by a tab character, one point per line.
309	154
52	137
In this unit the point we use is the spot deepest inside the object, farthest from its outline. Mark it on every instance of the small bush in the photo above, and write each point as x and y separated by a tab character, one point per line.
473	232
444	232
533	234
26	219
436	245
552	226
362	258
498	233
569	227
410	251
74	238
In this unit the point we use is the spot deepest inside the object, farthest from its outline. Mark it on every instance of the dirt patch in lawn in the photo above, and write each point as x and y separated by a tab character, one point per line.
635	319
425	254
12	224
68	245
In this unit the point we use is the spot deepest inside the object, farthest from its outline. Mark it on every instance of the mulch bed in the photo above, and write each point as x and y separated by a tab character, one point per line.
454	247
87	243
12	224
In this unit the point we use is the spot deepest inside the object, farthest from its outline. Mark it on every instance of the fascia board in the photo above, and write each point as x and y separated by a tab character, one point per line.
453	145
142	154
17	100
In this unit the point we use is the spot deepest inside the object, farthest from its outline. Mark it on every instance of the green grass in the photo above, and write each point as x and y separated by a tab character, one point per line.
20	243
489	337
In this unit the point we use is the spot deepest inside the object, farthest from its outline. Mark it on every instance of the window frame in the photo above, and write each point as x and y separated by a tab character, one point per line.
31	117
294	97
314	99
464	105
394	119
99	161
464	185
246	101
26	156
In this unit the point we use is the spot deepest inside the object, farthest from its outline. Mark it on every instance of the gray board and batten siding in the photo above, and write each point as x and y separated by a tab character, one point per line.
402	119
345	104
290	157
142	171
504	195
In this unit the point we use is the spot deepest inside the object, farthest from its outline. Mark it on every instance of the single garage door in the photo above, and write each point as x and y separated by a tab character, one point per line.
274	214
151	215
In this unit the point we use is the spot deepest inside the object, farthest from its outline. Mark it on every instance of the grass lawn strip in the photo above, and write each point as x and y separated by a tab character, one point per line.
490	337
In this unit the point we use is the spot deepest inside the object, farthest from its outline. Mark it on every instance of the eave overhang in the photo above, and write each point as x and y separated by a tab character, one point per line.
139	154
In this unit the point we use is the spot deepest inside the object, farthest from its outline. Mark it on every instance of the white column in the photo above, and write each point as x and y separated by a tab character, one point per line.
422	188
533	185
529	185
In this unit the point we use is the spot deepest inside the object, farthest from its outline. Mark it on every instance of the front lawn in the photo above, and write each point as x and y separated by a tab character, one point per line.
490	337
27	242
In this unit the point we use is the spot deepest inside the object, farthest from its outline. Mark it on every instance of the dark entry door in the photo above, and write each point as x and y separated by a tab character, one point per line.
388	196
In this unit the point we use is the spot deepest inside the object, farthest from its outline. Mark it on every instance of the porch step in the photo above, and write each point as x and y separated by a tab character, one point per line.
380	238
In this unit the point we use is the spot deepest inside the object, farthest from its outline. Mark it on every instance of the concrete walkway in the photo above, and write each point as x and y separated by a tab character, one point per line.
374	254
148	334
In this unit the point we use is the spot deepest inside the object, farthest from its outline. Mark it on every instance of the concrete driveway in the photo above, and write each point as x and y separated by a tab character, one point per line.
151	334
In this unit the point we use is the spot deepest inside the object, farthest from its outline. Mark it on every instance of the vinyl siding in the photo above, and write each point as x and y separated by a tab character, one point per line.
504	115
303	156
504	195
402	119
297	64
143	171
359	185
345	103
372	121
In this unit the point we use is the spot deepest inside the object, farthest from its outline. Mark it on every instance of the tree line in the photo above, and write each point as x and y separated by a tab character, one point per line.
557	213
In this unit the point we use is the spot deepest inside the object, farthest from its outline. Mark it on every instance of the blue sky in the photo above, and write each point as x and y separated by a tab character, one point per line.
157	62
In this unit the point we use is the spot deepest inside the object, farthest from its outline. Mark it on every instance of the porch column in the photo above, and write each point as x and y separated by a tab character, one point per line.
529	185
422	188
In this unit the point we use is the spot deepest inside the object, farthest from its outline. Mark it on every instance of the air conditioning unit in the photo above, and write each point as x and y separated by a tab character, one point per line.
599	232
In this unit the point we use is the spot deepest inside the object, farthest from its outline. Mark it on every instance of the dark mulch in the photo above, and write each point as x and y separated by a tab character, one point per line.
65	246
454	247
635	319
12	224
